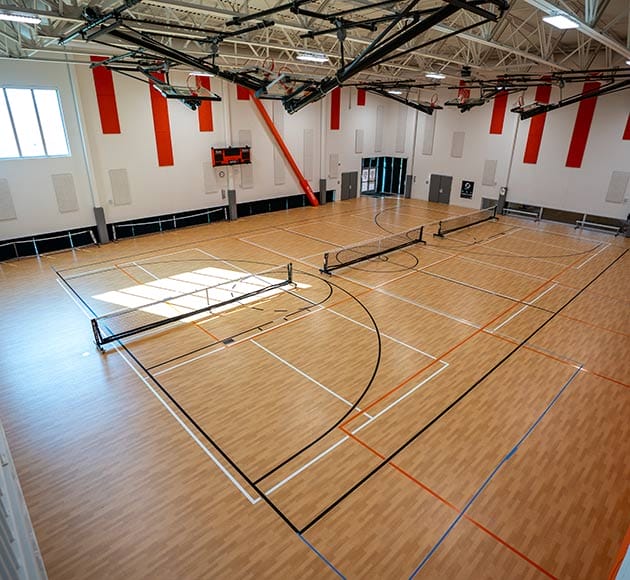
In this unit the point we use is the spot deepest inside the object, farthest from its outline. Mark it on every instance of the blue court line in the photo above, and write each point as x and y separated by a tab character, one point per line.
493	473
321	556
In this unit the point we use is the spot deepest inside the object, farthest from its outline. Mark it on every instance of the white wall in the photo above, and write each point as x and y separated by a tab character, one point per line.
353	117
157	190
548	182
30	180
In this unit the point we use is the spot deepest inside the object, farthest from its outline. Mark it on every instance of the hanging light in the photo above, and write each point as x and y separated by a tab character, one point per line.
435	75
312	57
23	18
561	21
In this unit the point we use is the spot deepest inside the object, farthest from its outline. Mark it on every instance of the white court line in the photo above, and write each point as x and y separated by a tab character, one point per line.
114	266
308	377
382	334
187	361
403	397
301	260
434	310
291	292
604	247
491	265
350	228
308	236
307	313
306	466
146	271
197	441
524	308
556	245
471	286
338	314
359	428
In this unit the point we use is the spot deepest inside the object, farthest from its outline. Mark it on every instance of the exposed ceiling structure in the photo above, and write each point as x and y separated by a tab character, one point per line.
259	43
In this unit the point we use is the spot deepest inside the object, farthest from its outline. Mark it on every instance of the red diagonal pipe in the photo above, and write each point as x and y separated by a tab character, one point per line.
285	151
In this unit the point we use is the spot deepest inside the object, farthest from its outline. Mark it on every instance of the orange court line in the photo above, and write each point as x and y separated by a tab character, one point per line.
457	345
449	504
606	378
557	358
595	325
623	549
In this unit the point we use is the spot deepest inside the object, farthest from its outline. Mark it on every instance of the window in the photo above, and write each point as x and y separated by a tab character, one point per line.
31	123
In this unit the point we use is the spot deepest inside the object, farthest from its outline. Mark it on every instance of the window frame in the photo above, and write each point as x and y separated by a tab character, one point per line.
3	95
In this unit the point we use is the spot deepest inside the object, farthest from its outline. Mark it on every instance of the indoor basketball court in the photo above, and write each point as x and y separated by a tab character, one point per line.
314	325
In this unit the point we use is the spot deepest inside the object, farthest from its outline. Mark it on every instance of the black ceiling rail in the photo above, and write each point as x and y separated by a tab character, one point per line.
432	41
96	18
423	106
528	111
369	24
384	45
237	20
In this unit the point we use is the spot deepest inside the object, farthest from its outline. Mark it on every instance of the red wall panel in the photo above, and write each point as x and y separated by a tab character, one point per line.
626	133
204	112
161	125
582	127
242	93
361	97
536	126
106	98
498	114
335	109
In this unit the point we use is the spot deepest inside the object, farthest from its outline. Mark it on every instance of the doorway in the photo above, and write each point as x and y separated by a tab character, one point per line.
349	183
440	188
383	175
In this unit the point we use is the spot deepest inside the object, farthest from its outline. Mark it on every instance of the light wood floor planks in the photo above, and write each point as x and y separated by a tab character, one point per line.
455	410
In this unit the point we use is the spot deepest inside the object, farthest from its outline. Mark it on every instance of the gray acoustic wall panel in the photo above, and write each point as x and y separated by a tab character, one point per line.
279	169
209	179
119	180
358	140
617	186
428	134
378	128
7	209
65	192
247	171
333	166
401	129
307	154
457	147
489	172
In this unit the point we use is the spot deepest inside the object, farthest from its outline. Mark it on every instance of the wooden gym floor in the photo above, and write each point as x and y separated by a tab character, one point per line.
454	410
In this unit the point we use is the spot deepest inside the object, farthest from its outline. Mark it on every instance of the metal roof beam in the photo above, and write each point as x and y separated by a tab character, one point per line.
501	47
549	8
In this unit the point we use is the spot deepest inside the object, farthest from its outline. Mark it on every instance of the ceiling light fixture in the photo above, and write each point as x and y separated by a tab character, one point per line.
23	18
628	62
312	57
200	73
561	21
394	92
434	75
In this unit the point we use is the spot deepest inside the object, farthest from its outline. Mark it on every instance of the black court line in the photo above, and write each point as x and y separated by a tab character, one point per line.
452	405
210	440
356	403
234	337
192	421
344	496
484	290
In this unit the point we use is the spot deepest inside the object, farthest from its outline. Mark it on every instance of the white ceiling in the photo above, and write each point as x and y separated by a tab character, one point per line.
519	42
